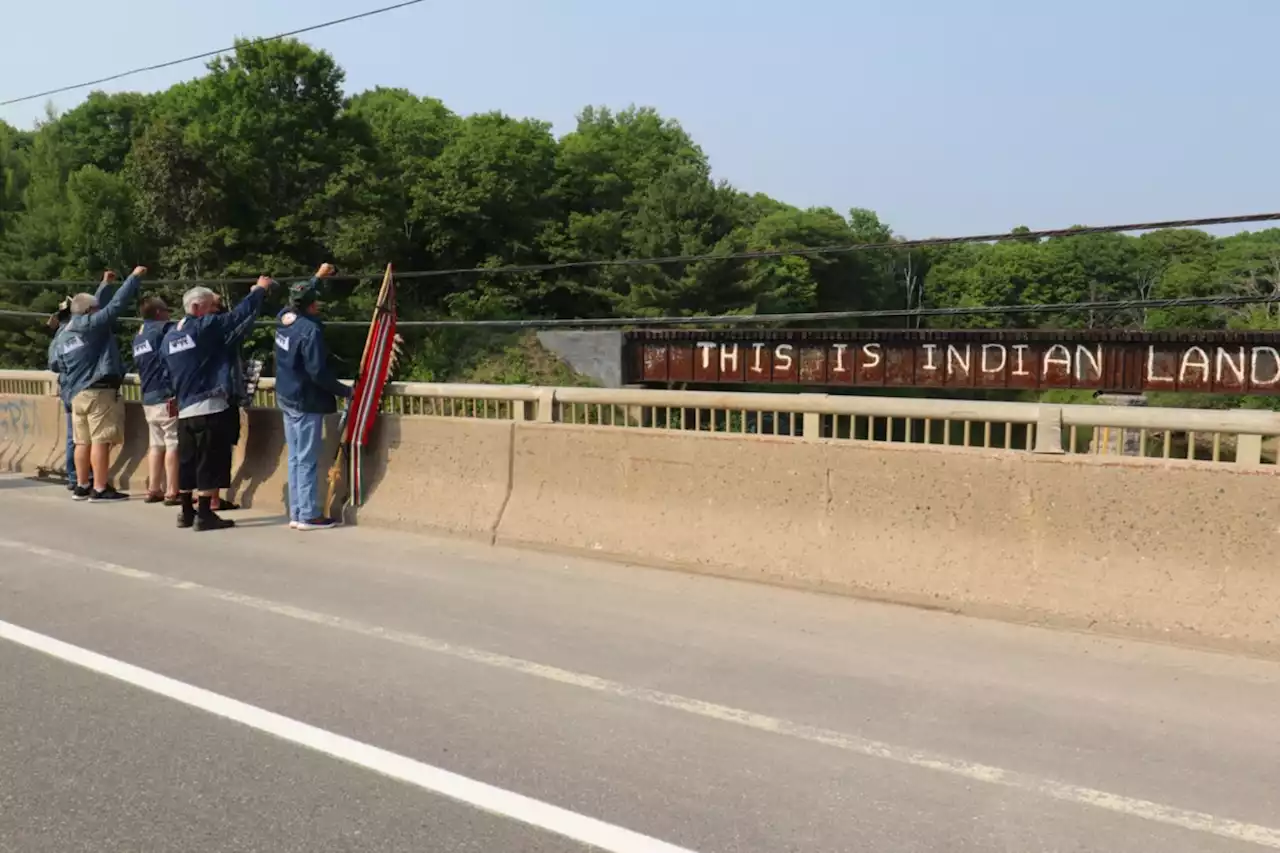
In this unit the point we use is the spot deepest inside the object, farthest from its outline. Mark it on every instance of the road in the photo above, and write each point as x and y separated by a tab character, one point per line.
362	690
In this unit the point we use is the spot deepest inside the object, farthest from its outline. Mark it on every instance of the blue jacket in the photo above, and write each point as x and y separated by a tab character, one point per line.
153	371
197	353
53	348
87	351
304	382
235	379
55	364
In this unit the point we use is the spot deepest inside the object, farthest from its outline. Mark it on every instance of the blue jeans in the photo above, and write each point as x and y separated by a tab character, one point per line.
302	434
71	453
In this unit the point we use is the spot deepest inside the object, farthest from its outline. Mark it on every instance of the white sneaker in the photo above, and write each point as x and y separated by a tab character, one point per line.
293	525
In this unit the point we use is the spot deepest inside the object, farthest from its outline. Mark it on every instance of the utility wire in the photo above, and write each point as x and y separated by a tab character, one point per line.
173	62
669	260
798	317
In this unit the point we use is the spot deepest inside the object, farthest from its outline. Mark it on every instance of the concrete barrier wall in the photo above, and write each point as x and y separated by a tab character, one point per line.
1169	550
33	436
1183	552
32	433
438	474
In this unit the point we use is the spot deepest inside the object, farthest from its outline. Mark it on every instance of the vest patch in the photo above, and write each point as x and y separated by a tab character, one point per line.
181	344
282	342
142	348
72	344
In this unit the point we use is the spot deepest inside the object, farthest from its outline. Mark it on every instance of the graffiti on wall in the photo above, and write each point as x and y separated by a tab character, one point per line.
17	421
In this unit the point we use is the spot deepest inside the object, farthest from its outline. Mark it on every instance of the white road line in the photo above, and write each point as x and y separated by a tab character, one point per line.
498	801
1195	821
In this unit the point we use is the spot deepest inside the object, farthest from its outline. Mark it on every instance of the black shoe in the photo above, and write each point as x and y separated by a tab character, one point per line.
317	524
80	493
185	521
227	506
213	522
107	495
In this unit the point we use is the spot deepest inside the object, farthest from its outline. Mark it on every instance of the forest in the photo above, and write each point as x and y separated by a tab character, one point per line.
264	164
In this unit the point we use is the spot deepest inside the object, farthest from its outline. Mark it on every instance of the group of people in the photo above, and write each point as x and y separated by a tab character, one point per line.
193	388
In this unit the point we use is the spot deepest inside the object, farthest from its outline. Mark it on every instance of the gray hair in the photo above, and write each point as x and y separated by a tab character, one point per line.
83	303
195	296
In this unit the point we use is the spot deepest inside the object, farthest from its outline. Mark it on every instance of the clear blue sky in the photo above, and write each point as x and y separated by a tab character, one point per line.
944	116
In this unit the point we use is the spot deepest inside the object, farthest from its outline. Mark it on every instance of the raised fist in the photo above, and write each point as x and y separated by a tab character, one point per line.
109	275
325	271
137	272
264	282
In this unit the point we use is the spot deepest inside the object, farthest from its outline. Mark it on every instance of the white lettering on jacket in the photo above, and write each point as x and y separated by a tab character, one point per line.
181	344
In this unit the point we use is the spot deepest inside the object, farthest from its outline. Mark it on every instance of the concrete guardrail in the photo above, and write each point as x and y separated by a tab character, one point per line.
1032	513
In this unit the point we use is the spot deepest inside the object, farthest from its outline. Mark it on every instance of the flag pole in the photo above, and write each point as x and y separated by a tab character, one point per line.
345	425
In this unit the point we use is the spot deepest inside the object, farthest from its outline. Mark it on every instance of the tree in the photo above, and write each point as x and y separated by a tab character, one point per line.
265	164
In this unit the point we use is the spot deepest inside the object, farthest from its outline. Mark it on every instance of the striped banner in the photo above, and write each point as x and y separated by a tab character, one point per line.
381	348
375	368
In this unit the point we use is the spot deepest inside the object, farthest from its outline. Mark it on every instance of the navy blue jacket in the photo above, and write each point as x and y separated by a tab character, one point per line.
237	392
153	370
87	349
52	360
304	382
55	365
196	351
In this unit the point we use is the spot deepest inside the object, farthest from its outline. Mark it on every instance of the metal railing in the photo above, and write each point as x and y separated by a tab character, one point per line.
1244	437
28	383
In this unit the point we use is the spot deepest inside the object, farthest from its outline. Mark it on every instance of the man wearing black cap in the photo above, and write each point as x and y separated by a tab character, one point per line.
306	391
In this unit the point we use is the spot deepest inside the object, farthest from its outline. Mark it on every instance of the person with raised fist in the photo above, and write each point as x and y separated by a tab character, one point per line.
198	351
306	391
92	371
158	405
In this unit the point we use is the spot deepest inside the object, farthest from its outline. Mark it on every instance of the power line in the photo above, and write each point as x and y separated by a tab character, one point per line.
669	260
208	54
795	317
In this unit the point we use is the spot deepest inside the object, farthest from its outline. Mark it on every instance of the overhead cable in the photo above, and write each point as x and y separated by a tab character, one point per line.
208	54
792	317
669	260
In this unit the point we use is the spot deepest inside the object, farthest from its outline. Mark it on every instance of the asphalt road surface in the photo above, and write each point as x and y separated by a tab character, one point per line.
261	689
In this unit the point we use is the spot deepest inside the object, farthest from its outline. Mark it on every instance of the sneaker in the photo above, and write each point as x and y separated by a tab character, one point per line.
71	487
317	524
213	522
293	525
107	495
80	493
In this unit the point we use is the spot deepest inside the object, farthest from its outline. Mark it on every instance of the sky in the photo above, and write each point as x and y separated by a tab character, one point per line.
946	117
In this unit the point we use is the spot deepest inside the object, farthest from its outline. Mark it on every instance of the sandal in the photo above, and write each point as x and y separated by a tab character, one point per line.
154	498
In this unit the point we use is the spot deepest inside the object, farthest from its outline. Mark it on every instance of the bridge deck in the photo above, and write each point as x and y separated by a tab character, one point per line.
584	685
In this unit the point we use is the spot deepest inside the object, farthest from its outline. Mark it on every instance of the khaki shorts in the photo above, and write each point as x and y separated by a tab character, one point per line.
97	417
161	426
